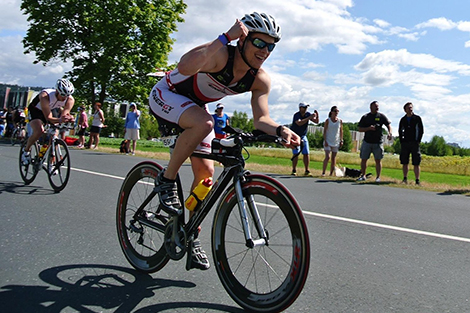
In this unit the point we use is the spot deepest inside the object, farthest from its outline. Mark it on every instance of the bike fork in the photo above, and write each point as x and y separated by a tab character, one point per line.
250	243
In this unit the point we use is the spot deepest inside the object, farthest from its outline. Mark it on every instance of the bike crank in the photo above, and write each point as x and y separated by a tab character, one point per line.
175	239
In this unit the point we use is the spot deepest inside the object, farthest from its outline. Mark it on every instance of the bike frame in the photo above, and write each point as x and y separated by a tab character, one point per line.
52	132
233	170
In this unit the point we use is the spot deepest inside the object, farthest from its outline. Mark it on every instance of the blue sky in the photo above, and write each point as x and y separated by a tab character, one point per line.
333	52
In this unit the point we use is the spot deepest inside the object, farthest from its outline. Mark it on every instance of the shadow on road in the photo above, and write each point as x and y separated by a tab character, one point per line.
94	288
22	189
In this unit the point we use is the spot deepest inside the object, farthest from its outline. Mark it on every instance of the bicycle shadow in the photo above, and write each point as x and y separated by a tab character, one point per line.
22	189
83	287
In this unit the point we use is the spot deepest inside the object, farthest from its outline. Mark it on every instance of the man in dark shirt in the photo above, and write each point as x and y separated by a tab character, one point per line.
300	127
371	124
411	132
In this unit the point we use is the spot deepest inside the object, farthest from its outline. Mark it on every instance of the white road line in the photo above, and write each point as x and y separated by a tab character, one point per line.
338	218
402	229
96	173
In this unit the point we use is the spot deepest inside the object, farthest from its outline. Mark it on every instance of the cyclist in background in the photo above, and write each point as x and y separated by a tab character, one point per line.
41	108
206	74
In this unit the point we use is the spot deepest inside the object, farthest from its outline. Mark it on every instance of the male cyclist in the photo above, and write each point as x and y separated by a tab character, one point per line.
205	74
41	108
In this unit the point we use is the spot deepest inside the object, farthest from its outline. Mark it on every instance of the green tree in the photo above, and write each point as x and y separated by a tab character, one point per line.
315	140
347	139
113	44
148	126
114	125
241	120
438	147
397	145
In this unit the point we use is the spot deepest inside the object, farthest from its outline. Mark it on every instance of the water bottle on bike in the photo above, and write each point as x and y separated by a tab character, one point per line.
43	150
198	194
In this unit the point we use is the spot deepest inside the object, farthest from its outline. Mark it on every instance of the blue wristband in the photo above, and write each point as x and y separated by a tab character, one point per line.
223	39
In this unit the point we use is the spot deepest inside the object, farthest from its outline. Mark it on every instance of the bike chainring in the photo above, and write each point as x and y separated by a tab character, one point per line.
175	246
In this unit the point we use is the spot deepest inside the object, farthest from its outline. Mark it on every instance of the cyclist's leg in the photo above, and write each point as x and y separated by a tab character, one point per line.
197	124
202	168
38	130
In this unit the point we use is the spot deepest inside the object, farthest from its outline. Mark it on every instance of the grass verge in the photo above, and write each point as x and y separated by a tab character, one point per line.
277	161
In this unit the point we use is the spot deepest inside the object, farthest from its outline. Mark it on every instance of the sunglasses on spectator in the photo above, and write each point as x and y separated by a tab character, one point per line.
260	44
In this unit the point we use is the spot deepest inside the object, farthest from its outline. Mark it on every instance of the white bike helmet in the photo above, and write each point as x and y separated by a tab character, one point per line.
64	87
262	23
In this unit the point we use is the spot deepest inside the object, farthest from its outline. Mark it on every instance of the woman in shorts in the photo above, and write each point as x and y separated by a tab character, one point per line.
333	139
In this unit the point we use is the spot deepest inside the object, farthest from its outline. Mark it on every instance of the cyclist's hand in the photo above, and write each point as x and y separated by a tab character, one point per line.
237	30
66	118
291	139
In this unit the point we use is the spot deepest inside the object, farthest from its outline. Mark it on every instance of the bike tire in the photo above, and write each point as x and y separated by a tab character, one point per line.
14	137
142	245
58	165
265	278
30	171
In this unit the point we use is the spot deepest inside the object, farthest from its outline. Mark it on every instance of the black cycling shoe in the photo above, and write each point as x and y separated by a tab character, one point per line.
198	258
168	194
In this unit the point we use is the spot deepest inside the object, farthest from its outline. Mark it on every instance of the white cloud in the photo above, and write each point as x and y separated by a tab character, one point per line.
420	60
382	23
11	17
441	23
314	62
464	26
18	68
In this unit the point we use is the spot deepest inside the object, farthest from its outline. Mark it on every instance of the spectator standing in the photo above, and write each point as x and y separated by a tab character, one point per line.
220	121
333	138
82	126
371	124
132	127
410	130
2	122
96	125
300	127
10	124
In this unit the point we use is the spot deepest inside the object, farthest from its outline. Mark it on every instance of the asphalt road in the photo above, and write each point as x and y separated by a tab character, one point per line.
373	248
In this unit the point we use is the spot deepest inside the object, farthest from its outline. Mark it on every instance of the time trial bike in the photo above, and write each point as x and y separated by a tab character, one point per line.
19	134
260	242
51	154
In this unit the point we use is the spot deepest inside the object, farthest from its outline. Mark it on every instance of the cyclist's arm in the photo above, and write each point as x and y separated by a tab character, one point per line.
211	56
259	105
46	109
68	105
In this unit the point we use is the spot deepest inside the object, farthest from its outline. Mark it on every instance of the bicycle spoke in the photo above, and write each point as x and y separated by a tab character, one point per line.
266	277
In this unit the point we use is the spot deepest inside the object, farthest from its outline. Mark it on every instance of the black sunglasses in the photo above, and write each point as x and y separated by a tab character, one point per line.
260	44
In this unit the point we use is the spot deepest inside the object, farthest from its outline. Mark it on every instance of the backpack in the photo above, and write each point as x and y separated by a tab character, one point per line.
123	147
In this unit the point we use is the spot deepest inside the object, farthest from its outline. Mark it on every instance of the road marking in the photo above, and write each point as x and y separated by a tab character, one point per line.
402	229
338	218
96	173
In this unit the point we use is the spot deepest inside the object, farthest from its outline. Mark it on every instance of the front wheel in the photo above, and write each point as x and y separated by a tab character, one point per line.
29	170
58	165
15	136
141	232
265	278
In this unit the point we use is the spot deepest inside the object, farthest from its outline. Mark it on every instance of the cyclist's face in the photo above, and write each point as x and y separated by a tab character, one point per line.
59	96
255	55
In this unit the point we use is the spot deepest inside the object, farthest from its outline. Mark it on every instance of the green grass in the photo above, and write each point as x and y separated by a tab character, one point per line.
278	160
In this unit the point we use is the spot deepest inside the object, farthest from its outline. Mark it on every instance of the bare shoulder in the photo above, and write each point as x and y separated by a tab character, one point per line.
262	81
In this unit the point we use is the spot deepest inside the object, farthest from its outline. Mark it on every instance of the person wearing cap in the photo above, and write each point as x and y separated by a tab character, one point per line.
371	124
300	127
208	73
132	127
220	121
